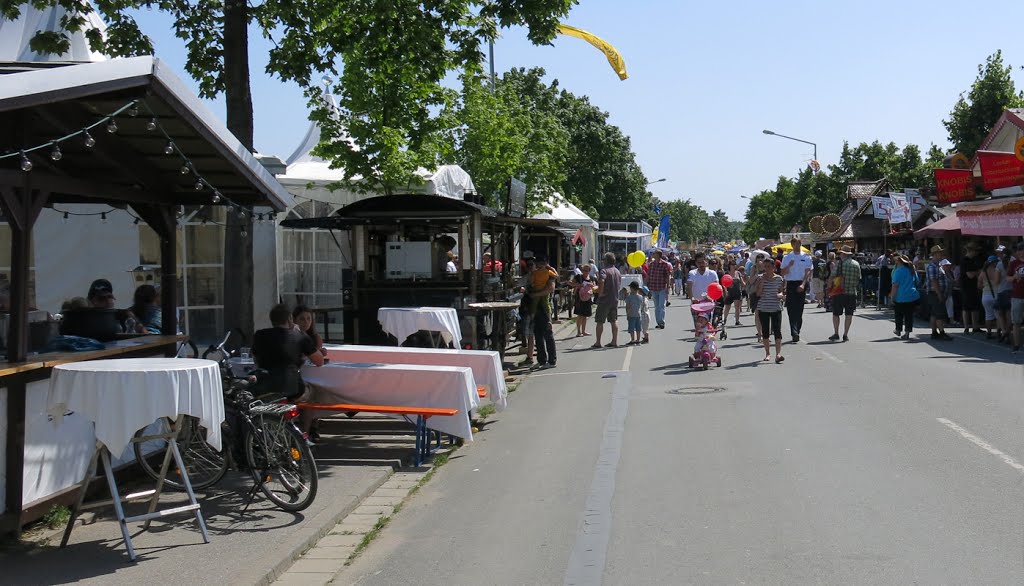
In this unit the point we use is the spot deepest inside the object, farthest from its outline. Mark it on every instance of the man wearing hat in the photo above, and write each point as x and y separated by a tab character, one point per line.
848	273
101	294
939	290
796	269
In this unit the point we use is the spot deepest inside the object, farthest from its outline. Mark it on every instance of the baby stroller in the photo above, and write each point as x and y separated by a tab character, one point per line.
705	350
718	318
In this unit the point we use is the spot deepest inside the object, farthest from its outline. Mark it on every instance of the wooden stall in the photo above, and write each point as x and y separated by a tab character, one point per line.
126	133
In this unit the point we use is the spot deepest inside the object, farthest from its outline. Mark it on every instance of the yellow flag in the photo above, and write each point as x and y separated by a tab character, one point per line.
614	59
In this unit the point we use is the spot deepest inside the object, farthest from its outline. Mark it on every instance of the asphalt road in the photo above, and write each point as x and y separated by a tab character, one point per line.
874	461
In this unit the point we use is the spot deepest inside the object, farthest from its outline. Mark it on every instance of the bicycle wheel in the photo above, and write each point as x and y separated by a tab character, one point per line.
281	462
205	465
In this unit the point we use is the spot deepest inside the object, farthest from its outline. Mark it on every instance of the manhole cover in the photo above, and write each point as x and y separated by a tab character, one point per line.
695	390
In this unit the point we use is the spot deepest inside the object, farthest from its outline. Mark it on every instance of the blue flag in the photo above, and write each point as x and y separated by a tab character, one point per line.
657	208
663	232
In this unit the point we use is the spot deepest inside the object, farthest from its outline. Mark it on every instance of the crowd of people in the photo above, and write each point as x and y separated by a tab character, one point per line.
984	289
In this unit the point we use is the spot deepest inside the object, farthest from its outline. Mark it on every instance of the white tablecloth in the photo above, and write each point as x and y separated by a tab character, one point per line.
121	396
486	364
451	387
402	322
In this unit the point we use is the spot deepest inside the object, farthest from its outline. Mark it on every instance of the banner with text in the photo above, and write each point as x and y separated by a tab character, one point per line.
999	170
954	185
916	200
880	207
899	211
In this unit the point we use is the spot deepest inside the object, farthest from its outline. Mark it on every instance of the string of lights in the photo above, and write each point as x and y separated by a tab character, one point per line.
109	121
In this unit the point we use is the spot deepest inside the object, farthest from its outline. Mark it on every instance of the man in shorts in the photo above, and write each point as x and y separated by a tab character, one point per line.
609	282
848	271
1015	272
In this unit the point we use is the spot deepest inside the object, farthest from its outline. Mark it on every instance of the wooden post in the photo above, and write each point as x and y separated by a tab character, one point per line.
21	206
161	219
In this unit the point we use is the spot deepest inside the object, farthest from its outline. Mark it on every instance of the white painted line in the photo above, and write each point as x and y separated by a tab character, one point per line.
982	444
827	355
628	359
554	373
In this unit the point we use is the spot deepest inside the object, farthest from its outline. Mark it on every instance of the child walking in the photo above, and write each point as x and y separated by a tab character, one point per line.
645	314
770	297
634	308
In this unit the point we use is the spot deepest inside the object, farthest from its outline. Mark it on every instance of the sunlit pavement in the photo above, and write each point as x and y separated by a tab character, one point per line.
871	461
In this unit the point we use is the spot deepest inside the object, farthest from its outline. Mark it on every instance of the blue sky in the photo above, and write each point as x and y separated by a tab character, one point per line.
706	78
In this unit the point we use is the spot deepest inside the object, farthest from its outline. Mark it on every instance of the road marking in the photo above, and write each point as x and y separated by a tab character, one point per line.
628	359
550	373
589	553
827	355
982	444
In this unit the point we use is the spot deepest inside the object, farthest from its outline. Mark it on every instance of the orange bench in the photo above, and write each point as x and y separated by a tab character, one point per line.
422	415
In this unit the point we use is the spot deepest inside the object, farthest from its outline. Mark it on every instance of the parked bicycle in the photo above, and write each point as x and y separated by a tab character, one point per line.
260	434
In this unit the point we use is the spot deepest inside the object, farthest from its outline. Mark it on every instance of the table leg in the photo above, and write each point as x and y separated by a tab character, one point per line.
89	473
116	496
172	438
188	485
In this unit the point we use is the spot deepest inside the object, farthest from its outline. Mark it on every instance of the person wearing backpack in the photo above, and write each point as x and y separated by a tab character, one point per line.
583	284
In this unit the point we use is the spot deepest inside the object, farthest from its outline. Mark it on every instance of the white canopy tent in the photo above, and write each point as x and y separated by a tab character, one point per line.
16	34
572	220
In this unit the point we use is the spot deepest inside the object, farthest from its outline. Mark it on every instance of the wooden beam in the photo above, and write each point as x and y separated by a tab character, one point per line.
57	185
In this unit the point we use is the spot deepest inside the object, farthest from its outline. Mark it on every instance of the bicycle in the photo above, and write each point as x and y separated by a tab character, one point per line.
275	452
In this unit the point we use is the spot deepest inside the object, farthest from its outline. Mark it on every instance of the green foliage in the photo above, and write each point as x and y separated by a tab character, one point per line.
973	116
57	516
512	131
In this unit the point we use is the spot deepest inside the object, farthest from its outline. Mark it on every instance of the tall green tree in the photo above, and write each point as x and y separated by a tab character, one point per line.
512	131
975	113
687	221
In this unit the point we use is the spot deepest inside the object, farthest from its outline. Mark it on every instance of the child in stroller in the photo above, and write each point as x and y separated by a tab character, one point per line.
705	350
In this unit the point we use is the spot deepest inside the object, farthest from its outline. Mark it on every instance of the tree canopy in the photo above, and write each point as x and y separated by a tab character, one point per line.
974	115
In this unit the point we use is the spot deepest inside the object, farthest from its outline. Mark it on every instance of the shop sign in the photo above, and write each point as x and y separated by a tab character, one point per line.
954	185
999	170
991	224
1018	149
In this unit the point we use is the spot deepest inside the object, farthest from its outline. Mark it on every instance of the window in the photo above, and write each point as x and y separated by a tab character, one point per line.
200	260
311	264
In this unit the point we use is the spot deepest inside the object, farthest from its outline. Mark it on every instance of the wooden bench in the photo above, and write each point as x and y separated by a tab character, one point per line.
422	415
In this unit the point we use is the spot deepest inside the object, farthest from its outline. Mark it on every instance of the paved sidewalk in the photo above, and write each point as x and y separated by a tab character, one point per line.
250	548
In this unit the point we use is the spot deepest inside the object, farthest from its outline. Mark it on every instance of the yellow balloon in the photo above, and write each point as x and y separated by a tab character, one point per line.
636	258
643	257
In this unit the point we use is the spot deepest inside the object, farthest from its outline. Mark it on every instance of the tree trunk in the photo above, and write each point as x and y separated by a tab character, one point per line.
238	263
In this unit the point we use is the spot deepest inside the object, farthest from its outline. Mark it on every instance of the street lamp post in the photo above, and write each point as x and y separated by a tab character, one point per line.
657	181
772	133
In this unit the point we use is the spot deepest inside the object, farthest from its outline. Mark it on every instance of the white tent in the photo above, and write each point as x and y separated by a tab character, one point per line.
572	219
16	34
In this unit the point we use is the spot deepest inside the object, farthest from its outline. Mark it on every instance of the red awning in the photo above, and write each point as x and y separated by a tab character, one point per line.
948	226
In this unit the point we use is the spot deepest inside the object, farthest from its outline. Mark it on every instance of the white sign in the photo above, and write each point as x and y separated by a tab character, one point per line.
916	200
899	210
880	207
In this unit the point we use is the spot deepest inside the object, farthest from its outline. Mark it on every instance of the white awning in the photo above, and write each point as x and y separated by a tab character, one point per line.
622	234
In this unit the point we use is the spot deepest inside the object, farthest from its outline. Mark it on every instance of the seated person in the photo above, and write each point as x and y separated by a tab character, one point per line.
100	320
146	309
280	351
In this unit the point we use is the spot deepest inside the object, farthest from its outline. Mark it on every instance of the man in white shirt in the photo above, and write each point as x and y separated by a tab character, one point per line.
699	279
796	269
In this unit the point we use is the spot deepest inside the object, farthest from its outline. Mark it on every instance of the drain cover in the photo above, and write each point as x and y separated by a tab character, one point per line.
695	390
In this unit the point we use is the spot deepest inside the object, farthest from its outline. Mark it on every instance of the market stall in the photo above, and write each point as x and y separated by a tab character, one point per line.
414	250
119	133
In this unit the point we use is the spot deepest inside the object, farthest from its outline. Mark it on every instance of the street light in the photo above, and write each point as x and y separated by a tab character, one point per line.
657	181
772	133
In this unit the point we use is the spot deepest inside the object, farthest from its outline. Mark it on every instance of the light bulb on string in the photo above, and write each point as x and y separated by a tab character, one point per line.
64	220
26	165
185	169
55	154
169	149
244	233
112	126
241	214
136	222
103	218
151	125
133	111
89	140
199	185
216	197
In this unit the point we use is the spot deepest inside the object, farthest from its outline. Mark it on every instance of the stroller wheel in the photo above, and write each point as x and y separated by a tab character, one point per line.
705	366
718	362
725	336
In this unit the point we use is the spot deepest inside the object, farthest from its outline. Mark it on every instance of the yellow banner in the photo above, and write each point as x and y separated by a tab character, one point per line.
614	58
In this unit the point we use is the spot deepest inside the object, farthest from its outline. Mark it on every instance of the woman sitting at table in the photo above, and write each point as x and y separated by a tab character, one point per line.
304	322
146	309
280	351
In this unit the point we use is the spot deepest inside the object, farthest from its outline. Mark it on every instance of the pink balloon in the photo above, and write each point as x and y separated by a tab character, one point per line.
727	281
715	291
